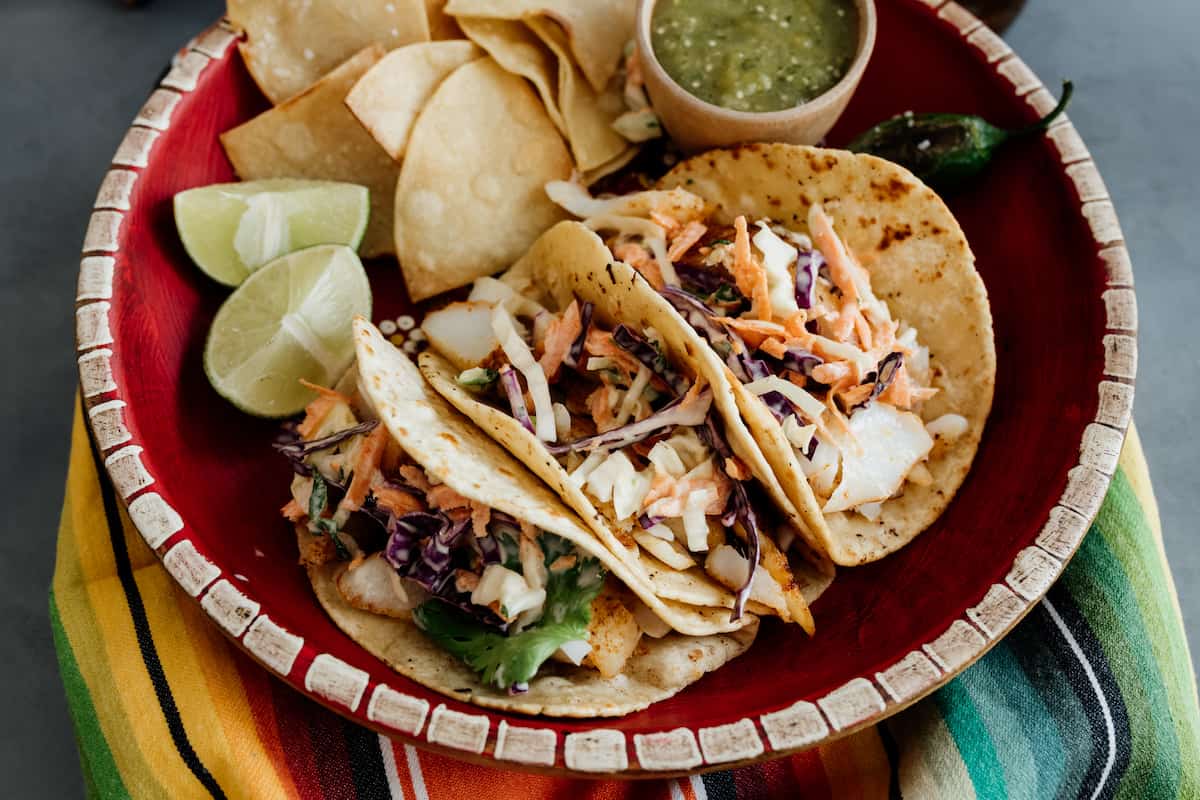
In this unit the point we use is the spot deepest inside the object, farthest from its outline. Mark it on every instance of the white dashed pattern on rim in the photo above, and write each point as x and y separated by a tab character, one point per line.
605	750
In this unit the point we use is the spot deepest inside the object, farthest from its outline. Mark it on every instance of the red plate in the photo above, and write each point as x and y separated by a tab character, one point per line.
204	487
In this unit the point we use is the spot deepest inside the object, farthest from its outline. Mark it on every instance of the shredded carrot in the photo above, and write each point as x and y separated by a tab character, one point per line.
393	456
637	257
481	515
369	456
735	469
600	343
415	476
795	325
315	414
841	266
443	497
600	409
857	394
325	391
668	223
560	335
776	348
749	275
753	331
292	512
795	377
865	337
396	501
684	239
660	486
831	372
845	323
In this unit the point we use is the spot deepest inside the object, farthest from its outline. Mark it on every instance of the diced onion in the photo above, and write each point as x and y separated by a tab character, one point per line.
666	460
778	257
562	420
947	427
575	650
809	406
519	354
695	522
581	473
617	481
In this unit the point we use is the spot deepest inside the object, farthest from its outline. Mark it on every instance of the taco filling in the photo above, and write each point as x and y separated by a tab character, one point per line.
498	593
794	319
638	436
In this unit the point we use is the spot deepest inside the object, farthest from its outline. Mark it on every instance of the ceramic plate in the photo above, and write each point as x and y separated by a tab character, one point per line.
204	487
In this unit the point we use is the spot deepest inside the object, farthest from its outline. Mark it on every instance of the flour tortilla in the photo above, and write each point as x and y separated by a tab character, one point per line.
454	451
388	98
470	198
570	261
920	265
314	135
658	669
596	29
290	44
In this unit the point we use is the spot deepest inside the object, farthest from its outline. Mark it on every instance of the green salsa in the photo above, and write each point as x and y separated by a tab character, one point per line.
757	55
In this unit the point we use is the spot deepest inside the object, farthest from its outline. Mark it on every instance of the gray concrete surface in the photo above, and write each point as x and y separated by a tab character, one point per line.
76	71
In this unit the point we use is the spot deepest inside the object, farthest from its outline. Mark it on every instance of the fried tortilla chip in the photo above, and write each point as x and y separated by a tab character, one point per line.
519	51
471	196
291	43
314	135
588	113
388	98
597	30
442	26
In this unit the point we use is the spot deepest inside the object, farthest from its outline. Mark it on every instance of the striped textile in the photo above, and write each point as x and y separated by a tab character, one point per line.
1091	696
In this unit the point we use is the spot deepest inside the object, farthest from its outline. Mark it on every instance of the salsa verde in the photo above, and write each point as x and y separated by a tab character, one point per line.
758	55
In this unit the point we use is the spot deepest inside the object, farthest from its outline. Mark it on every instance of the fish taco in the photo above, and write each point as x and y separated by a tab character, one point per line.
584	378
836	296
441	555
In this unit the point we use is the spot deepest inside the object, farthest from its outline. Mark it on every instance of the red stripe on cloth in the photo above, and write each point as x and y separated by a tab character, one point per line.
258	686
292	720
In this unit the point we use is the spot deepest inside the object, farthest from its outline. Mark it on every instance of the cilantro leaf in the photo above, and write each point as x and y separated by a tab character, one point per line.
318	499
506	660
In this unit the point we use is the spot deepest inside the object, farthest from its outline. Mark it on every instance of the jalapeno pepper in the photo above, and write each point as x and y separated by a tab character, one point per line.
945	150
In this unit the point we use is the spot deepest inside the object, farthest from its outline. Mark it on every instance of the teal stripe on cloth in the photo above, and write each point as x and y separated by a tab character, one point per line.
1031	753
974	742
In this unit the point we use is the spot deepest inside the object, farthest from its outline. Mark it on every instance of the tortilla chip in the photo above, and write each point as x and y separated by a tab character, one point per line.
517	50
471	194
621	161
596	29
442	26
291	43
457	453
314	135
658	669
588	113
926	276
390	96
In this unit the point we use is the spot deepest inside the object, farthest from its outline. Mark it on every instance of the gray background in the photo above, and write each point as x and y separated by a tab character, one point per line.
76	71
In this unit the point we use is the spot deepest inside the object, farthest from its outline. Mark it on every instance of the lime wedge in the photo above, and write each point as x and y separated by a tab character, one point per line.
232	229
289	320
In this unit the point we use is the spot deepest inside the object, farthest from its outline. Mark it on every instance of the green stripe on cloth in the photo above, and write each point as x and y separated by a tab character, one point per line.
1150	656
974	742
99	770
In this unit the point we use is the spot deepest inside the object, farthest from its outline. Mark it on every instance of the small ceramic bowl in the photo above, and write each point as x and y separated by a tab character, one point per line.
697	125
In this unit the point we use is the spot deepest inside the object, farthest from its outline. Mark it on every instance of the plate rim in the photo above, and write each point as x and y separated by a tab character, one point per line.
603	751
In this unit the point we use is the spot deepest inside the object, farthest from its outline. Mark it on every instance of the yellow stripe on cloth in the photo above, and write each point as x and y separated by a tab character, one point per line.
930	763
201	674
856	766
1133	463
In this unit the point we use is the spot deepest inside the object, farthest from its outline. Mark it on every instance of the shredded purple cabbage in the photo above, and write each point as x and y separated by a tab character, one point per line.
641	349
798	360
296	449
648	521
585	321
516	398
739	509
886	373
669	416
697	314
706	279
778	404
808	264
